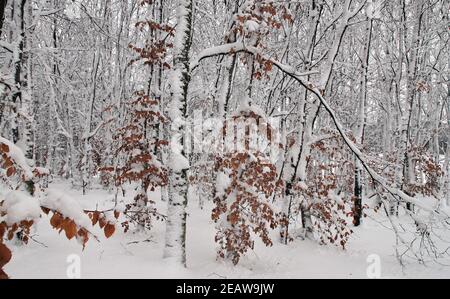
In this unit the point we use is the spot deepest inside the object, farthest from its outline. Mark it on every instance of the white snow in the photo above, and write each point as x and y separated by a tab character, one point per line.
121	257
223	182
42	170
182	24
19	206
251	26
247	105
215	50
16	154
177	162
67	206
256	61
72	10
374	9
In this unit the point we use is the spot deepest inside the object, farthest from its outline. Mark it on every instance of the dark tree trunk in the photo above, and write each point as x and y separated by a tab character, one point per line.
17	95
2	14
357	208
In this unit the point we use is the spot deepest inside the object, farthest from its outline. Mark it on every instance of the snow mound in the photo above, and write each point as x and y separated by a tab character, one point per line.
16	154
19	206
251	26
67	206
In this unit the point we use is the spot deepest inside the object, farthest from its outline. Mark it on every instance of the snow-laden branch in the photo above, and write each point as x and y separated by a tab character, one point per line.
216	51
319	138
67	206
7	46
89	135
16	154
61	130
346	15
290	71
351	145
375	176
45	13
231	48
18	206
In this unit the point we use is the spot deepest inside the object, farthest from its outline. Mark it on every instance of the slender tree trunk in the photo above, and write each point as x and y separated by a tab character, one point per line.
19	13
53	116
298	167
358	190
411	76
2	14
447	152
87	147
175	246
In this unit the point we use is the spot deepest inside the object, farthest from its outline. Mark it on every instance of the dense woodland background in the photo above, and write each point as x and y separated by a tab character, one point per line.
103	93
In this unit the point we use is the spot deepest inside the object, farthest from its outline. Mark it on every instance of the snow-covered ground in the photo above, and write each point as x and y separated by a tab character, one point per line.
138	255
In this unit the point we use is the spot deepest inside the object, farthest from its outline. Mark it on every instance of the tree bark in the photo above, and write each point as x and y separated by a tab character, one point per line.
2	14
358	190
175	246
19	13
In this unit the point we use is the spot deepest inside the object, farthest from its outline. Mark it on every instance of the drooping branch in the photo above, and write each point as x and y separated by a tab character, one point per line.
232	48
311	87
351	145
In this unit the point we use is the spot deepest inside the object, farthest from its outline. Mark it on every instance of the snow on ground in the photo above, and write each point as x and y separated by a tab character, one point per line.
127	256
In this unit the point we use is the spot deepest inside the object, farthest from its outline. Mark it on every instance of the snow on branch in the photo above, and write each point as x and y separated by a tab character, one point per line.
216	51
351	145
18	206
289	70
231	48
67	206
89	135
15	155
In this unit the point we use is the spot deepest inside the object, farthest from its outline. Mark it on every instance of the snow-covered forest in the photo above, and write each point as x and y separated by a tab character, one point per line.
224	138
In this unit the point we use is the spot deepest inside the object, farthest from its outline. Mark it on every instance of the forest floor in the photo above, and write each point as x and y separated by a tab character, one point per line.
129	256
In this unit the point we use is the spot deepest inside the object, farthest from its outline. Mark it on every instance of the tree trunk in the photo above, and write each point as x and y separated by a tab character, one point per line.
358	190
2	14
175	246
411	77
19	12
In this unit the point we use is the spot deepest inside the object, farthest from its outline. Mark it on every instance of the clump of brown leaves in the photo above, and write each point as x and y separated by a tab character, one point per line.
244	206
17	176
137	147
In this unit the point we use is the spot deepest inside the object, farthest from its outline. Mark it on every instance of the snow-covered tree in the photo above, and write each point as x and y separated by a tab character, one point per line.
178	162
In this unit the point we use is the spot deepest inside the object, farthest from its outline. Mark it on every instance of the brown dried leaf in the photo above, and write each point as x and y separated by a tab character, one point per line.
10	172
70	228
5	255
4	148
56	220
109	230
